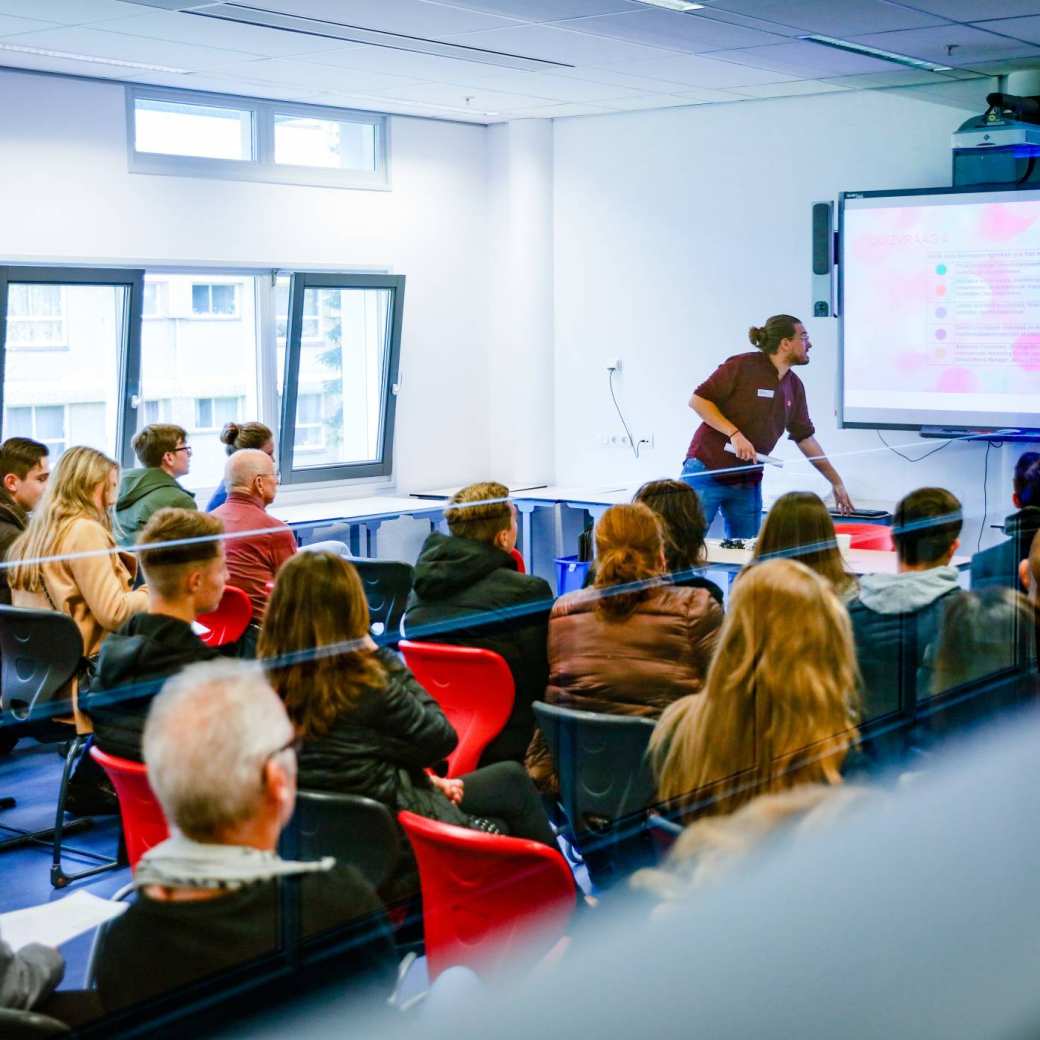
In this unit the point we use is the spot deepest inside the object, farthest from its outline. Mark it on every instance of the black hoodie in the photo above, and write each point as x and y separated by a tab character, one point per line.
133	664
457	578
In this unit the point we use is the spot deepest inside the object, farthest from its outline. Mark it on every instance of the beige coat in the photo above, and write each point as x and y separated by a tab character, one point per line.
95	591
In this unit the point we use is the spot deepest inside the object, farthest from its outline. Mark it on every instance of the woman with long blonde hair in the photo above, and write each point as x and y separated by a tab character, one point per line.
780	702
67	559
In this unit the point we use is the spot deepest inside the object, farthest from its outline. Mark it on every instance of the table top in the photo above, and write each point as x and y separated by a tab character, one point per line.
603	496
858	561
353	510
515	490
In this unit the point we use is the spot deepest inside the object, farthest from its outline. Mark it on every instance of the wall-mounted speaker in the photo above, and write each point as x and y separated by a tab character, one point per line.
823	260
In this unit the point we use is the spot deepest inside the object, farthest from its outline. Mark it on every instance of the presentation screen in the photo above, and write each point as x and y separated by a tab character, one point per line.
940	312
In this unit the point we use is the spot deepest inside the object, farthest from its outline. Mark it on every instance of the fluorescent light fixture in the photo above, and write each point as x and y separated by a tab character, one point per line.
673	5
876	52
70	56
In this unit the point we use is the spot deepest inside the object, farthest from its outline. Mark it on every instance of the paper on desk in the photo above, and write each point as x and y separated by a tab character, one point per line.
55	923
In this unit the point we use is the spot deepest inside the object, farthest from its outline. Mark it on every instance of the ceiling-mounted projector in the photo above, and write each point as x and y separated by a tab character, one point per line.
1002	145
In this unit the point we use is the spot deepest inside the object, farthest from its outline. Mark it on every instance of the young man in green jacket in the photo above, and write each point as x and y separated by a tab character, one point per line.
163	450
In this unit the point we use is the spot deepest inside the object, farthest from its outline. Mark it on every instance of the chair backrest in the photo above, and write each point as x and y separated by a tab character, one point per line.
489	902
357	831
229	621
601	763
387	584
40	653
868	536
518	559
474	688
144	824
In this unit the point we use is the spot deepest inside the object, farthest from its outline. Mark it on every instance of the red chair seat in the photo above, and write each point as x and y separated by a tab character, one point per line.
518	557
868	536
144	823
229	621
474	688
490	902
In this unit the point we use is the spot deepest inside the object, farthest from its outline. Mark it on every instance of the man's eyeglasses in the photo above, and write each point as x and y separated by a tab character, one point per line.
292	745
185	448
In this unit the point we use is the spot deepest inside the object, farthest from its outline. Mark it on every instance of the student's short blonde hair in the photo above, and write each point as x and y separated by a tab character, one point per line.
480	511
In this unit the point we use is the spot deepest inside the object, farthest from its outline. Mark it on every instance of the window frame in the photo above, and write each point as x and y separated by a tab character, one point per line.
129	369
262	166
299	283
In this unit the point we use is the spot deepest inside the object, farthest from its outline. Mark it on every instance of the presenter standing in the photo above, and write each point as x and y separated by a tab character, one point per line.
748	401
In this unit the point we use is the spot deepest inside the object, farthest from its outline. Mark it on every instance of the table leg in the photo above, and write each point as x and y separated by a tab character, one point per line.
525	509
372	530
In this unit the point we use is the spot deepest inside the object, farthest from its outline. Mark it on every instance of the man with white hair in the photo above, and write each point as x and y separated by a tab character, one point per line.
221	758
253	560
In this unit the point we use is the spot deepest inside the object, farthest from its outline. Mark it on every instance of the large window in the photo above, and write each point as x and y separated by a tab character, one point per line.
218	135
36	316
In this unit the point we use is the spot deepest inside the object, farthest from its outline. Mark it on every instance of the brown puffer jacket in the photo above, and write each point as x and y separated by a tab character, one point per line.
636	665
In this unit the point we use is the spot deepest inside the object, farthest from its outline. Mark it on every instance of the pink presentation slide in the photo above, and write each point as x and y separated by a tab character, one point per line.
942	308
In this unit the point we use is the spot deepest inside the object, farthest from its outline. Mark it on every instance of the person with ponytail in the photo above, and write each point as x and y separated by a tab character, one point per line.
235	437
746	404
632	643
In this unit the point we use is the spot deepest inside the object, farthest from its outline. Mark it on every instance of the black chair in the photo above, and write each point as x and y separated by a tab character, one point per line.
27	1025
606	786
387	584
355	830
40	655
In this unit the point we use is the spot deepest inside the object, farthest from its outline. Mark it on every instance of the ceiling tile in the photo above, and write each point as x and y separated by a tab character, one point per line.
10	26
795	88
320	77
931	44
559	111
618	77
1027	29
95	43
804	60
831	18
397	107
973	10
44	63
67	12
369	57
558	88
700	71
546	10
676	31
646	101
218	83
466	98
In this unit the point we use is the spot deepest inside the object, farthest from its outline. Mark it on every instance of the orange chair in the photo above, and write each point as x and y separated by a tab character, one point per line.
144	824
490	902
868	536
518	556
231	618
474	688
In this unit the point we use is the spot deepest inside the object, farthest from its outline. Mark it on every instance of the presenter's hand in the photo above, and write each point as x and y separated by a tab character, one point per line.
842	501
743	447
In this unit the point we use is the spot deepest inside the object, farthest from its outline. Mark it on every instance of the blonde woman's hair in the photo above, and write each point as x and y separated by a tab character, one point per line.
69	496
780	701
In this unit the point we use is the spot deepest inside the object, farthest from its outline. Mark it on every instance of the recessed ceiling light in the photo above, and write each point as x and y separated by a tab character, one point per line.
673	5
70	56
876	52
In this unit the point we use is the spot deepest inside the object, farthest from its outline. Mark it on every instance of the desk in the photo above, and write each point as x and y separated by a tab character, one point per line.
858	561
367	513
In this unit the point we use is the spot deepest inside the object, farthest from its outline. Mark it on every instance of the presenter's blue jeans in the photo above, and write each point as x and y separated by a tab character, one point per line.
741	505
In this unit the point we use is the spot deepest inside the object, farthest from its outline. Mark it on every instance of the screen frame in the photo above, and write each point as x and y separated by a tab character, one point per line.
972	189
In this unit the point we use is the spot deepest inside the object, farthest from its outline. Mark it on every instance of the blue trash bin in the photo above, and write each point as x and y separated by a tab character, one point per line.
570	574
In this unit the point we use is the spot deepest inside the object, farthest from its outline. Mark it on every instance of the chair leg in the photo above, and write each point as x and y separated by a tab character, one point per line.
59	879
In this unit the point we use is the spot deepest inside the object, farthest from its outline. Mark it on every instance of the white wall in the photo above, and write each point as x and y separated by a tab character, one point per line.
677	229
68	195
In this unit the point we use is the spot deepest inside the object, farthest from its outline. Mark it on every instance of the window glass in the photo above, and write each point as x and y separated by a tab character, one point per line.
61	374
175	128
201	373
325	143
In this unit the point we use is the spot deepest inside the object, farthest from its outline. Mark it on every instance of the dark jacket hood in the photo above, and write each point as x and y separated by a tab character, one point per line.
448	564
140	482
148	645
11	512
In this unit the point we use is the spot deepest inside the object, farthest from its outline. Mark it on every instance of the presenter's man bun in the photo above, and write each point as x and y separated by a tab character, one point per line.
767	337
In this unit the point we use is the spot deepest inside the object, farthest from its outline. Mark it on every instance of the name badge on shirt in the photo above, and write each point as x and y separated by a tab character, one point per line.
765	393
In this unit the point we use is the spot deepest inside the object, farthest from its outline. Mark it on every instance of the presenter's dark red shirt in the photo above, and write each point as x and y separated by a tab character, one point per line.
745	388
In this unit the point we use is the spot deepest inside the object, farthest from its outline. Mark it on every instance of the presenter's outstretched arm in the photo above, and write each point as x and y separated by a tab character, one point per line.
811	449
709	413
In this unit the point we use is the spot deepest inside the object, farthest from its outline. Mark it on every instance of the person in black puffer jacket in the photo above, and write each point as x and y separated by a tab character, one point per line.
471	573
23	477
367	726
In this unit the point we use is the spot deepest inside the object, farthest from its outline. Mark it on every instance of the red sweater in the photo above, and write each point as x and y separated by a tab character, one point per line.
253	560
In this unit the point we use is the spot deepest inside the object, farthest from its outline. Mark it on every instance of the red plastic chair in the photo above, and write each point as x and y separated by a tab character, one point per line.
474	688
868	536
490	902
231	618
517	555
144	824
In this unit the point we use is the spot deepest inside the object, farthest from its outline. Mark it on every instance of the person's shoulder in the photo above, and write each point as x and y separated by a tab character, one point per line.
580	601
344	893
525	586
87	533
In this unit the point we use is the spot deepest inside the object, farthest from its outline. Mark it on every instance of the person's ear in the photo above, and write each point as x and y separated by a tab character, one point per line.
1023	574
11	482
502	540
194	582
279	786
953	550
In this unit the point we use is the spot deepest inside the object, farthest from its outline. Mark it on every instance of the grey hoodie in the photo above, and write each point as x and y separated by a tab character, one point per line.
906	592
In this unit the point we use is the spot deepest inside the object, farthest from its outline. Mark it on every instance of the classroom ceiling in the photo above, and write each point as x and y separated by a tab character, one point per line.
488	61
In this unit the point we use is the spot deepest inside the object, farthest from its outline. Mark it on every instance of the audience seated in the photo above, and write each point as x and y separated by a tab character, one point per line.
83	575
463	576
368	727
904	610
164	452
235	437
253	560
182	555
799	527
221	759
630	652
999	564
23	477
684	528
779	707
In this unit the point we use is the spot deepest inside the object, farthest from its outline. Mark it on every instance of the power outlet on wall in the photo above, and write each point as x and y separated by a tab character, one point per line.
614	364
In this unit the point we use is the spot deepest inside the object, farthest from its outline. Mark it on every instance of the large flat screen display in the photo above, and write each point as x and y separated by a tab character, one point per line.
940	313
